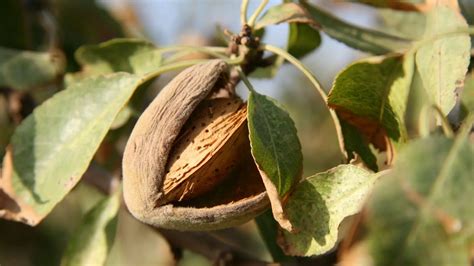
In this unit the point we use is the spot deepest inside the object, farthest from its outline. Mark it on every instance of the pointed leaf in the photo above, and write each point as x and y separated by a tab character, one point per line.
422	213
371	95
23	70
443	63
92	241
275	148
52	147
319	204
366	40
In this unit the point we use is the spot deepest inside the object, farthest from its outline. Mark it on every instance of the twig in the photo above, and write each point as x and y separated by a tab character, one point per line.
210	246
257	12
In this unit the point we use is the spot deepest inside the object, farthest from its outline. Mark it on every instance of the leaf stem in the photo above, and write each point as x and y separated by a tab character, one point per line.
184	64
243	12
257	12
317	85
244	78
423	123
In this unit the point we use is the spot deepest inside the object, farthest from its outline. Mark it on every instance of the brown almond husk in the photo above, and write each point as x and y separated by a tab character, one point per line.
187	163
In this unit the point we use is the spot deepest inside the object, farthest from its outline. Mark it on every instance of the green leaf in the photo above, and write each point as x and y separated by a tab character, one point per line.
92	241
319	204
302	39
372	95
128	55
52	147
356	37
406	5
275	145
23	70
275	148
443	62
288	13
467	97
355	143
366	40
422	213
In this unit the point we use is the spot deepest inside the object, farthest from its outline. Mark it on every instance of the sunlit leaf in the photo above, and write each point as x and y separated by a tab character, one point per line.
422	213
372	95
275	148
23	70
443	62
52	147
91	242
319	204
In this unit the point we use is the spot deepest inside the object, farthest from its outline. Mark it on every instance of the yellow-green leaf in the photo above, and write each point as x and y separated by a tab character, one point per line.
318	206
52	147
422	213
442	62
91	242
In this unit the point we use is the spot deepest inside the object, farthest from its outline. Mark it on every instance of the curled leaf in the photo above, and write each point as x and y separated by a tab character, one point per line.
371	95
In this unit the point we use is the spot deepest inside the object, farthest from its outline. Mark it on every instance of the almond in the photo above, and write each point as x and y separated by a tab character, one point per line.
187	163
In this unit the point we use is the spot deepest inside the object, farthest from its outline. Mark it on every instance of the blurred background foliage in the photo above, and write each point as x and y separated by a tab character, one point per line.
61	26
